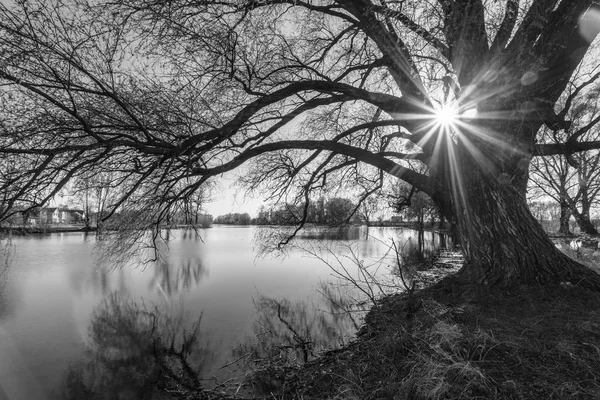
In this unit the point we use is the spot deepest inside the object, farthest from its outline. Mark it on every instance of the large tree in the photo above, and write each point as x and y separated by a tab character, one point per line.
308	95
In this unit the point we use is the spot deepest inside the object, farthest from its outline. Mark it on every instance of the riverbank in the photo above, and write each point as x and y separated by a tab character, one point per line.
29	230
461	343
523	343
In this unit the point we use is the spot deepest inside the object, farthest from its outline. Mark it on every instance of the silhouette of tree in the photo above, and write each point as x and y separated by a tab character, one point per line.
309	95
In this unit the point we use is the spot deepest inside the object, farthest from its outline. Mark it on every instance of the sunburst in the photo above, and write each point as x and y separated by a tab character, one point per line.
447	115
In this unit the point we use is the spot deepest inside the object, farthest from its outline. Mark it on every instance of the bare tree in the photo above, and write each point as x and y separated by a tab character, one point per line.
548	212
413	203
308	95
573	180
369	209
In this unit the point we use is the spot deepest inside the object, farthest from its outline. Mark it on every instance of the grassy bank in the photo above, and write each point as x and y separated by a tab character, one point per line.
461	343
526	343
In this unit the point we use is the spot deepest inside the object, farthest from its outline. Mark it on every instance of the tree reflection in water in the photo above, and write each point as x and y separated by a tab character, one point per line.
174	271
340	233
277	240
293	332
172	278
7	254
176	274
137	351
296	332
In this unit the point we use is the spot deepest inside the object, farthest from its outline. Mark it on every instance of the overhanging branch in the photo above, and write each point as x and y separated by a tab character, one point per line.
390	104
565	148
374	159
507	25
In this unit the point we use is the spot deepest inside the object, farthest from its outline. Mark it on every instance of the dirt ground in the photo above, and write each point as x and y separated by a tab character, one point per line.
524	343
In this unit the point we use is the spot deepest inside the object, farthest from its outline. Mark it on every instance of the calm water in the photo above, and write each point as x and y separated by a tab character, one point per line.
54	286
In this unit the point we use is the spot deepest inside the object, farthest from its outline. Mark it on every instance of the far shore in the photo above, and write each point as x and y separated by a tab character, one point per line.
26	230
46	229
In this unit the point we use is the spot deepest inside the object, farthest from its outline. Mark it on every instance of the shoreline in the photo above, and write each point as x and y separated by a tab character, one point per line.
23	230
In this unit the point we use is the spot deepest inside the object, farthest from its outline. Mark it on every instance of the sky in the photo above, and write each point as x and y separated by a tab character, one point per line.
228	198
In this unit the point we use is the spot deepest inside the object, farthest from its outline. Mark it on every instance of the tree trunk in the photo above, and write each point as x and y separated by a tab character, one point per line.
442	220
583	217
420	244
503	244
87	209
565	216
584	222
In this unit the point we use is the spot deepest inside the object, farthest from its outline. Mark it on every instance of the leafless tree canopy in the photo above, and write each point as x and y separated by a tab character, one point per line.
572	180
308	95
165	95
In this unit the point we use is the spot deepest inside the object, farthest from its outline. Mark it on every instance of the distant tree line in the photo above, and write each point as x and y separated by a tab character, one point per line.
410	205
190	218
234	219
335	211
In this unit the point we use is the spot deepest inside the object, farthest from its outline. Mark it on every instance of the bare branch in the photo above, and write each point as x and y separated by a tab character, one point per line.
374	159
548	149
507	25
416	28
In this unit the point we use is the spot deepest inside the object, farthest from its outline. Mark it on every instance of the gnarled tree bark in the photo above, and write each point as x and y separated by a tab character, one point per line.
502	242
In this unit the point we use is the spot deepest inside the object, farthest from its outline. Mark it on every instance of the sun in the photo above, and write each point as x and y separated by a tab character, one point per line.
446	115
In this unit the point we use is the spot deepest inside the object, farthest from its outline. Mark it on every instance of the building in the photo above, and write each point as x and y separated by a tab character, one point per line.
55	216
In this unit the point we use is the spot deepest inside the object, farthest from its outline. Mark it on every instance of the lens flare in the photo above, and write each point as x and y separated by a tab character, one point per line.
589	25
446	115
470	113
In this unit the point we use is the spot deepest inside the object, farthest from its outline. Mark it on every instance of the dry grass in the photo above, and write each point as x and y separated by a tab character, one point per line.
526	343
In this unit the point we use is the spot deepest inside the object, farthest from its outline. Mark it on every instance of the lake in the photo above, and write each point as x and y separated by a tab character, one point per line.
60	296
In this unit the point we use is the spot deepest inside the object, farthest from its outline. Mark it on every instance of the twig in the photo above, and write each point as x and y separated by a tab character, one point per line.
235	361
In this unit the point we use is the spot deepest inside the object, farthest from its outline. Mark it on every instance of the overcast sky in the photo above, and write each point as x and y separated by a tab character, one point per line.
229	198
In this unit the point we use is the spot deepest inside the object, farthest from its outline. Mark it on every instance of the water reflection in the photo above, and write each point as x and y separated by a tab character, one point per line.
175	258
179	264
138	351
7	251
414	249
334	233
421	245
171	279
296	331
54	285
